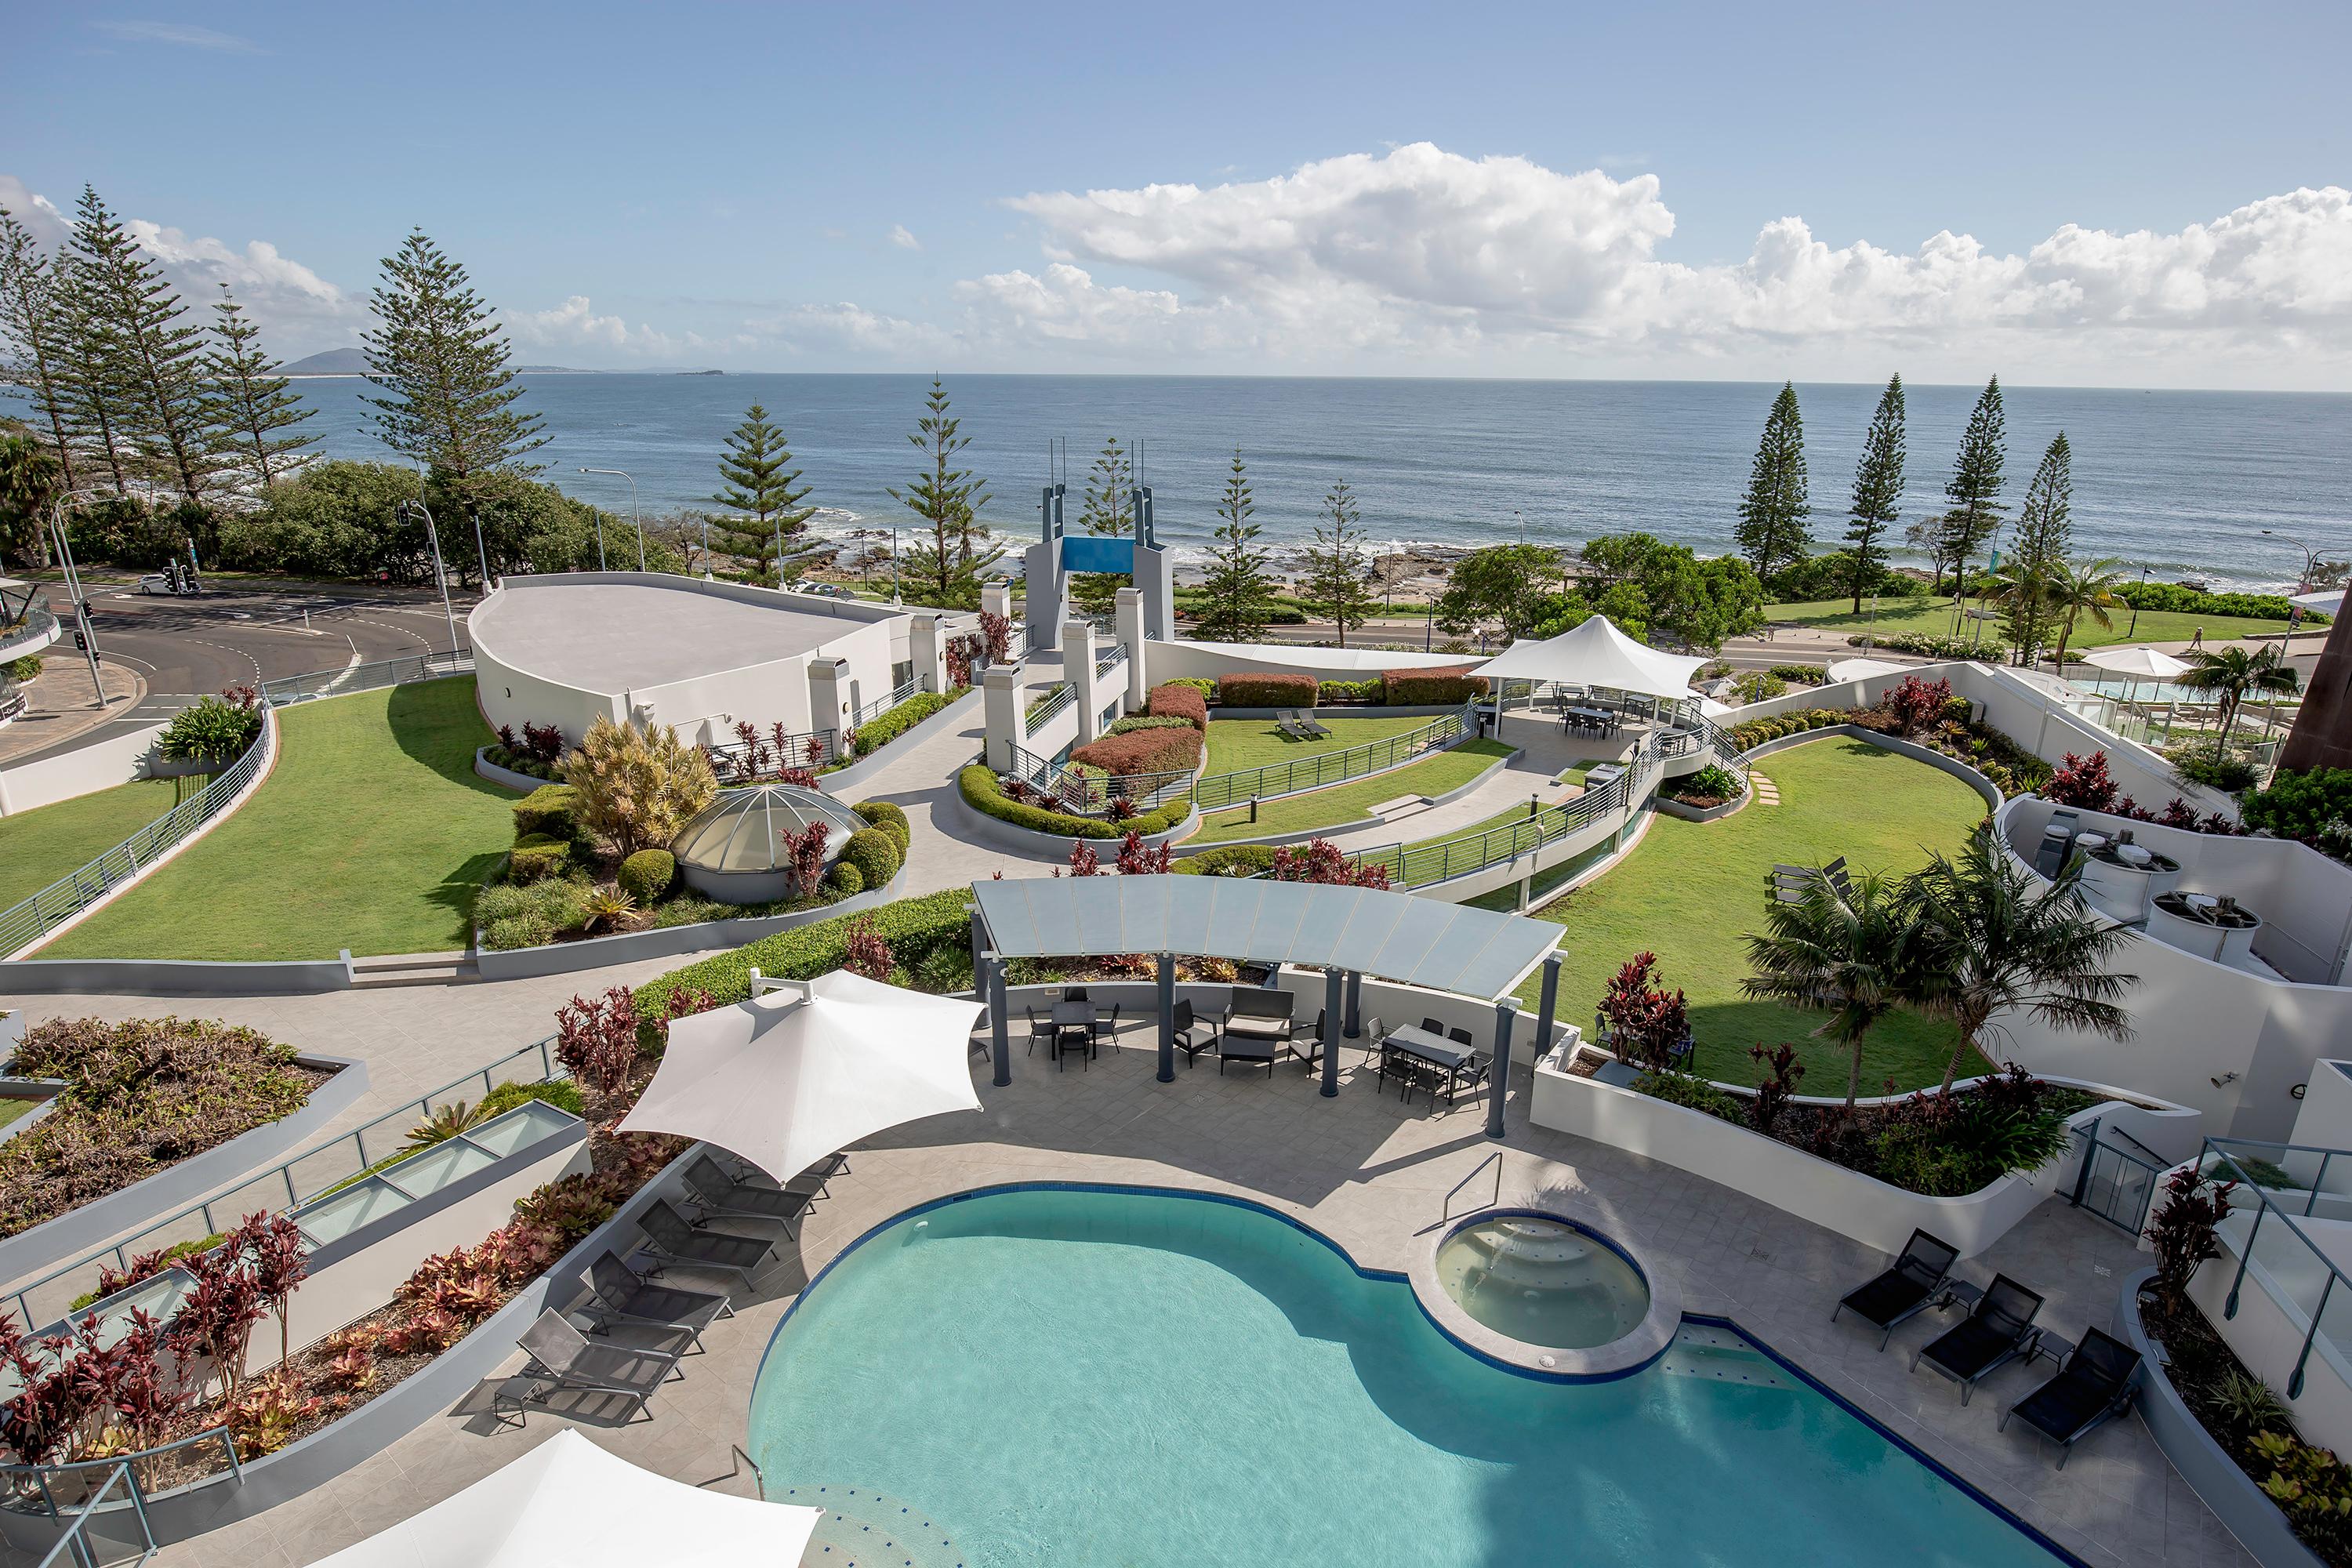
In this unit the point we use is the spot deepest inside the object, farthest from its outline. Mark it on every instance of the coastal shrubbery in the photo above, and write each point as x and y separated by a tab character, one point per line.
1185	700
996	797
1268	688
1430	687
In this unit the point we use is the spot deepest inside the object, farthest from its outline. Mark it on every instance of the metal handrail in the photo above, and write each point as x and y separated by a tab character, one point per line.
35	622
766	756
1044	713
2219	1147
431	664
1494	1159
914	686
1420	864
269	1184
74	1539
1109	658
119	1466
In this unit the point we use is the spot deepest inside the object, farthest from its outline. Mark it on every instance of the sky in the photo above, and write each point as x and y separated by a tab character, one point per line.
2144	194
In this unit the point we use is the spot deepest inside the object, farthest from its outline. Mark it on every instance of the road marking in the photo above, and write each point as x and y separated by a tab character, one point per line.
238	651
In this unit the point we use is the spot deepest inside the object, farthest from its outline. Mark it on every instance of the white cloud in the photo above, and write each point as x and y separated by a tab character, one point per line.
180	34
842	328
574	323
904	240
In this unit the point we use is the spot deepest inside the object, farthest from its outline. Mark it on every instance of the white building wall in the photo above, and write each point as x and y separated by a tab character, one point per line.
509	696
119	760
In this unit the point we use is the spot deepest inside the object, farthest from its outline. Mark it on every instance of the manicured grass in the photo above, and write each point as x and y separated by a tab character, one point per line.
1933	617
1345	806
370	834
36	847
12	1109
1238	743
1692	892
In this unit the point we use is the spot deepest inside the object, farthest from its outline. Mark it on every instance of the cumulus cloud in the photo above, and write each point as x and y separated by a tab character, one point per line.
575	323
842	327
904	240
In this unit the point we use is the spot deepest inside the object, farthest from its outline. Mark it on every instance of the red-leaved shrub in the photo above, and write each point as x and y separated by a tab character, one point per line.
1142	752
1422	687
1177	702
2082	782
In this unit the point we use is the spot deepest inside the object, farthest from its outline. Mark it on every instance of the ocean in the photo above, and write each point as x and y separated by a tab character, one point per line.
2179	482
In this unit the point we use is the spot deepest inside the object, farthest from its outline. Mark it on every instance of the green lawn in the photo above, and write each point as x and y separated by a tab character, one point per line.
1934	616
1692	892
370	834
1347	804
36	847
1238	743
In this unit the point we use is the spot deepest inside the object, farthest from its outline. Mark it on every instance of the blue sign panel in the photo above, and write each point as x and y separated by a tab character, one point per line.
1086	553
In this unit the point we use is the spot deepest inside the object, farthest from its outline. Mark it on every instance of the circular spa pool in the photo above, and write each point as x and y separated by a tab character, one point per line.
1542	1281
1051	1376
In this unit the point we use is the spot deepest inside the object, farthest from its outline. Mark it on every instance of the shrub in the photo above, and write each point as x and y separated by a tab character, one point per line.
1323	861
550	811
2194	761
891	820
1351	691
512	916
2083	783
555	1092
887	726
1759	686
1227	860
647	875
691	909
505	933
536	857
1801	674
2197	602
1929	644
2311	1485
1695	1092
1165	751
1914	703
874	854
596	1038
1266	688
1184	700
1420	688
1134	721
984	793
915	928
216	730
1711	785
846	879
2313	806
24	669
865	952
1644	1021
637	787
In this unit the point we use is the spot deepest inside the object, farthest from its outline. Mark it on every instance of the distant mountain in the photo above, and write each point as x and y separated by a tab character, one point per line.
353	362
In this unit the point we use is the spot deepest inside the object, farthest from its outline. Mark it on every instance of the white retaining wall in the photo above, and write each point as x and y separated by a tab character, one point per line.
114	760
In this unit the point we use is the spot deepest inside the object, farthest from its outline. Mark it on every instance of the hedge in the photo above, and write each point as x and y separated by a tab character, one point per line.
1351	691
1179	700
647	874
915	929
552	810
538	855
892	820
1200	683
1246	689
1135	721
2197	602
875	854
1142	752
885	728
1222	860
1418	687
983	792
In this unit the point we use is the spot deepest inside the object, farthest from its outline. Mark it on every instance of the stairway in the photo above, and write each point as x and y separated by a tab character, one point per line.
385	971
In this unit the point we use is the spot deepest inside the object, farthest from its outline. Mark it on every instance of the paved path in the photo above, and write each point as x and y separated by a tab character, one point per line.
1546	750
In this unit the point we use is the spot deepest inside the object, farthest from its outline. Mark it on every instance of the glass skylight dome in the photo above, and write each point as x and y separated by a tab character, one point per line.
734	850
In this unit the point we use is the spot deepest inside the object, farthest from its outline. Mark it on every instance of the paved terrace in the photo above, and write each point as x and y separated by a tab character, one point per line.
1369	1173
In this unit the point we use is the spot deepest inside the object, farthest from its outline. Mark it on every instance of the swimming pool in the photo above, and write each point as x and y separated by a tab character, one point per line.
1148	1380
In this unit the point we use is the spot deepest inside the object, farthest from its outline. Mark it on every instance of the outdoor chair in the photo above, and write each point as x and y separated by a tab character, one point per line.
1293	728
619	1294
1904	1290
718	1194
562	1356
1312	1051
1077	1038
1249	1051
671	1239
1998	1329
1041	1031
1431	1026
1192	1037
2094	1386
1258	1014
1459	1037
741	1173
1471	1077
1316	729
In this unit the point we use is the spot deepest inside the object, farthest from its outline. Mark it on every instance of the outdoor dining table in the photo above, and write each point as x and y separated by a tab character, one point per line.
1068	1015
1434	1051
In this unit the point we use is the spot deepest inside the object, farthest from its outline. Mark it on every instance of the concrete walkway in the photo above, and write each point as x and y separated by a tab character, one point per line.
923	783
1545	751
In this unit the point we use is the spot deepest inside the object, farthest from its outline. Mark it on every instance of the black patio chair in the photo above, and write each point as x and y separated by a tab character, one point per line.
2094	1386
1078	1037
1998	1329
718	1195
670	1238
1475	1076
619	1294
1904	1290
1192	1035
1431	1025
562	1355
1041	1031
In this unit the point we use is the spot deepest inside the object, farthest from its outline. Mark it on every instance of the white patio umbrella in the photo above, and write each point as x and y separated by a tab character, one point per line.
2137	663
569	1504
786	1079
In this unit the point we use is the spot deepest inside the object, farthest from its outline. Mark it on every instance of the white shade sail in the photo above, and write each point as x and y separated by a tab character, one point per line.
1862	669
2327	601
569	1504
2144	663
786	1079
1596	654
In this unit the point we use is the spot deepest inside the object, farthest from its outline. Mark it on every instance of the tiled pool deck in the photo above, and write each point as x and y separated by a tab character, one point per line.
1370	1174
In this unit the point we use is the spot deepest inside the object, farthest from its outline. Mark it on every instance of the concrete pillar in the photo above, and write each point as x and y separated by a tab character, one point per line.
1548	1008
1167	1017
1006	686
996	599
1355	1005
1131	632
927	644
1505	1012
828	682
979	951
998	1039
1048	604
1334	1007
1079	669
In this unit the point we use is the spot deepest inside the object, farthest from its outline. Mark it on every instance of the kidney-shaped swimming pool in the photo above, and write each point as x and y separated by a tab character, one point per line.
1151	1380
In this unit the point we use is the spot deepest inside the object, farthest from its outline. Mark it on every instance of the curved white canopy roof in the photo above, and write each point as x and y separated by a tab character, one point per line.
2147	662
1596	654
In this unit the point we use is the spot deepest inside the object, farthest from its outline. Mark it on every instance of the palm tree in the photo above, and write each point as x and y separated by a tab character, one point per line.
2236	675
1834	952
1987	940
2023	592
2068	590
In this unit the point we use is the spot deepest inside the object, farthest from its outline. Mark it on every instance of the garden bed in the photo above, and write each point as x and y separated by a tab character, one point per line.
1920	713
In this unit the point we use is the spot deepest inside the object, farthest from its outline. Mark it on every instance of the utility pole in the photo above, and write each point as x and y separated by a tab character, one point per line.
82	628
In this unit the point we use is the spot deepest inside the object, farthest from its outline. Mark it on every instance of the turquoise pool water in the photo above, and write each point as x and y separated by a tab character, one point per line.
1128	1380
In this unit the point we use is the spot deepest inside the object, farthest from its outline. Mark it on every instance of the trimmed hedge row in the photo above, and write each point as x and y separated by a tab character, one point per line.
1230	860
1134	721
983	793
1244	688
647	875
1370	690
884	728
1179	699
1420	688
1143	752
915	929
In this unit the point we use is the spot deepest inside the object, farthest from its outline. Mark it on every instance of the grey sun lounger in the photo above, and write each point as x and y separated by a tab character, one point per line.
671	1239
1904	1290
2093	1388
716	1193
1998	1329
619	1294
564	1356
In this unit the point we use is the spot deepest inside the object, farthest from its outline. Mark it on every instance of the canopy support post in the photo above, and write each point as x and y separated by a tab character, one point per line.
1167	1006
1334	990
1547	1008
998	1041
1355	1004
1505	1012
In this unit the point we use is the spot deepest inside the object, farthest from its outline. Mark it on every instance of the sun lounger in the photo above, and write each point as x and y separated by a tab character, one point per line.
2092	1387
671	1239
562	1355
1315	728
1903	1290
1998	1328
717	1193
618	1293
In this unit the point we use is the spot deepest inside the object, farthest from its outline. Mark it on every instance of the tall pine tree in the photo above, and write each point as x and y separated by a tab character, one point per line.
1877	493
762	498
1974	489
440	356
1772	531
34	335
1337	583
1236	588
1108	512
256	417
2045	532
137	314
944	569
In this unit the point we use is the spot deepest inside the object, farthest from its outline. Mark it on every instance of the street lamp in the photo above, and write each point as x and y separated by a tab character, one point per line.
633	517
481	552
2135	621
440	574
2308	558
894	563
73	586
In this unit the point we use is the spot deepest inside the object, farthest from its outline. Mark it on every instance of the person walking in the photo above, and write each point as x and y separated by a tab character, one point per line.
2197	640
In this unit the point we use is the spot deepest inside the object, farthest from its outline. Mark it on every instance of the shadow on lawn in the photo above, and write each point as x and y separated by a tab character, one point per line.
457	892
438	725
